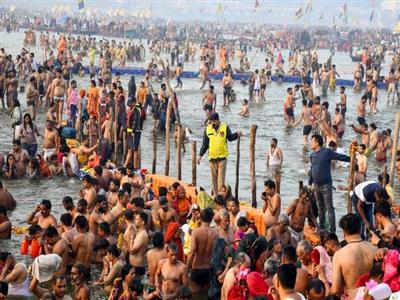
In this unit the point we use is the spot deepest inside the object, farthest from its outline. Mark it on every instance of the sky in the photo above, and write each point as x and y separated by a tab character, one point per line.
323	12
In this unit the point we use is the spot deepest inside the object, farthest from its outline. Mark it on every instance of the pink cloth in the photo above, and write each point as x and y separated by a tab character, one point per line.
390	264
325	261
73	98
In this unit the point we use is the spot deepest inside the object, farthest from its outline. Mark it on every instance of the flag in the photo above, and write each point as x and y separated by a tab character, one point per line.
219	8
308	7
371	17
321	17
345	13
81	4
299	13
257	4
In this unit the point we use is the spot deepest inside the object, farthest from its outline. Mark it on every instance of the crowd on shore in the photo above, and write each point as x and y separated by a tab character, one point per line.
162	243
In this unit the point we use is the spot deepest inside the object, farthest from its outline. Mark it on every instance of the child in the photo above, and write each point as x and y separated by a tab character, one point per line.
244	112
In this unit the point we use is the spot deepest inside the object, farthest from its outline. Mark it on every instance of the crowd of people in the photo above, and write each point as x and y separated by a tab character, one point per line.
164	243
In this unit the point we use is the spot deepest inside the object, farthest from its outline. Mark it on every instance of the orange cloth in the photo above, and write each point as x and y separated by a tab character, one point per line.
62	45
181	204
93	101
141	95
172	228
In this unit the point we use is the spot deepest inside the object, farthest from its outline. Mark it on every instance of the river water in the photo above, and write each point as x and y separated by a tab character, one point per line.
268	116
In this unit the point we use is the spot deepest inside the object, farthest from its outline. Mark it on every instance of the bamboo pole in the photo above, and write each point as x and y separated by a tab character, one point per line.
237	168
353	153
194	163
167	137
179	154
394	149
253	131
153	169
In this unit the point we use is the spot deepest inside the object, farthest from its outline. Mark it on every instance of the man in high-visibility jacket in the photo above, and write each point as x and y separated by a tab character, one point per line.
215	139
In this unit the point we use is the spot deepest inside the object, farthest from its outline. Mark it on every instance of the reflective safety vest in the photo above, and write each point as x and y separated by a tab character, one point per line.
218	147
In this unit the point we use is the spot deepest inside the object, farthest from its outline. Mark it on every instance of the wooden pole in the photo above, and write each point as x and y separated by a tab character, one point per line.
394	149
139	158
179	158
353	153
99	121
167	137
153	169
253	131
301	185
194	163
237	168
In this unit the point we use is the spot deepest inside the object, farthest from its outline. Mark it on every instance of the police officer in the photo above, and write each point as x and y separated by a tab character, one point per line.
215	140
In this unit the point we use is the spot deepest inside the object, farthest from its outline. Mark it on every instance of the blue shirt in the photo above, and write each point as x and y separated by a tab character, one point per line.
321	165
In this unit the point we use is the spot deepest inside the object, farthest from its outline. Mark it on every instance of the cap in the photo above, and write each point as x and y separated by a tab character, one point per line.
214	117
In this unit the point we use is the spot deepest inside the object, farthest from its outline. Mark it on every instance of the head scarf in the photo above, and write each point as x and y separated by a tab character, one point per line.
172	228
204	200
256	285
324	261
246	243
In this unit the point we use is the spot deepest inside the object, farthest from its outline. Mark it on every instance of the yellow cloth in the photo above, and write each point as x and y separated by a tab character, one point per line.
218	147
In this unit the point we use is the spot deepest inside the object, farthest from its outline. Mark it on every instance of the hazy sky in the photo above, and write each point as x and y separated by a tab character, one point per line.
385	12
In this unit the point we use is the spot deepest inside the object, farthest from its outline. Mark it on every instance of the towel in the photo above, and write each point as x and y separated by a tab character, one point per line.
44	266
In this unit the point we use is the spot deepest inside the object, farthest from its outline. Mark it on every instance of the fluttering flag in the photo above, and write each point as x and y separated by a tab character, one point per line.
308	7
299	13
81	4
345	13
371	17
321	16
219	8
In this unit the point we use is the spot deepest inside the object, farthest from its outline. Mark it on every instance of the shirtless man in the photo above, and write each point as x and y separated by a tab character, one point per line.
363	130
354	259
263	84
298	211
68	232
45	219
338	121
112	194
233	207
382	147
280	231
201	246
82	247
89	192
272	204
138	244
32	97
171	274
154	256
305	116
209	102
78	274
164	215
289	107
21	158
204	71
227	82
373	137
101	213
374	98
106	128
362	160
57	245
11	88
50	141
51	113
57	94
135	180
387	229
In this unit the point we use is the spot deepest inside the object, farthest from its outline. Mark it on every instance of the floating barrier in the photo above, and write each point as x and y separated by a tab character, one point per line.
238	76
